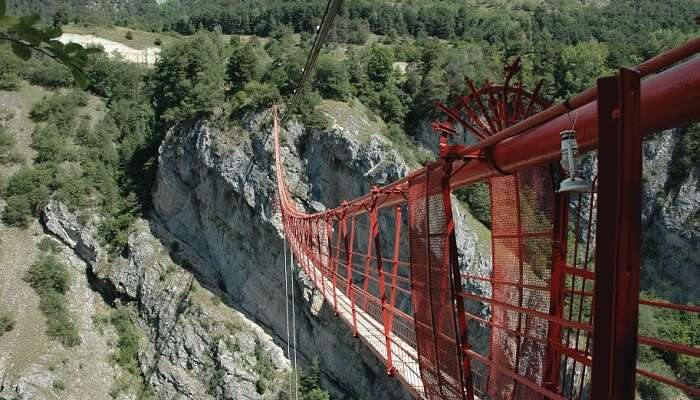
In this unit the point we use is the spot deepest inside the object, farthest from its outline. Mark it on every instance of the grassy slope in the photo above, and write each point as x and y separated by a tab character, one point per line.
27	350
27	343
141	39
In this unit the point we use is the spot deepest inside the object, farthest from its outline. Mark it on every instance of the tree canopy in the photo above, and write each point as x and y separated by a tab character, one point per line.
188	81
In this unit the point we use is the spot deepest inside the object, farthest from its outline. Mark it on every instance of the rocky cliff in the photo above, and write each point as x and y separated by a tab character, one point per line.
671	222
193	347
215	234
215	196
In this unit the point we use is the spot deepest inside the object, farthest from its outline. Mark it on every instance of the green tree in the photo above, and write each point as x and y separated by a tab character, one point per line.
380	62
26	193
26	38
255	96
390	106
114	78
310	383
332	79
580	65
244	65
188	81
310	379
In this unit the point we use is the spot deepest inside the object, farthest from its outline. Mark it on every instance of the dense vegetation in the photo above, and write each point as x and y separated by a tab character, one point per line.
50	279
7	143
676	327
7	321
103	165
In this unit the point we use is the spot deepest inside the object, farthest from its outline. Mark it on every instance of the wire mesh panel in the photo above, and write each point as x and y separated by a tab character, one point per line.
522	214
431	274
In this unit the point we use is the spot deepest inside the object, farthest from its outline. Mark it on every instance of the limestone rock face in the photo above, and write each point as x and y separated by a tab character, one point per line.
670	223
194	347
216	197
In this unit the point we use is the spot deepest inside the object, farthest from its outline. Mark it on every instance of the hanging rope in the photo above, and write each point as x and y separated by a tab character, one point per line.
332	9
286	306
294	330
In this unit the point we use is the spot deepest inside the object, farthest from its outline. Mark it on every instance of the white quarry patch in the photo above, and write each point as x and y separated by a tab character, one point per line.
144	56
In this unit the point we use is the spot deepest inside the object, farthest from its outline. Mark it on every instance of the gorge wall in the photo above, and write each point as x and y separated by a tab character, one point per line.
216	197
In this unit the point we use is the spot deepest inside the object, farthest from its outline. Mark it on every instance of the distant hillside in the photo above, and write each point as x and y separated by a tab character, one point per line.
121	12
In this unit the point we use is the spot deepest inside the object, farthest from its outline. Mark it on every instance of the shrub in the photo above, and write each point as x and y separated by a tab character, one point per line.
48	245
48	274
26	193
127	356
115	78
673	326
308	112
129	35
255	96
157	42
476	197
7	144
131	380
59	109
51	280
51	75
52	145
9	81
114	230
10	64
686	155
73	188
7	322
59	385
405	145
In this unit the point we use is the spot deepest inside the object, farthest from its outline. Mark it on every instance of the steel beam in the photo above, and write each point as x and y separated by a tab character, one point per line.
618	237
669	99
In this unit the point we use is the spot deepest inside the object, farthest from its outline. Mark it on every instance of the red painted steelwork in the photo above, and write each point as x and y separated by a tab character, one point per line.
618	238
437	338
417	314
669	99
552	363
650	66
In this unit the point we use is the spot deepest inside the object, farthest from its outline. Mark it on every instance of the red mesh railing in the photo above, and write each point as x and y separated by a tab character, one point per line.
357	264
522	213
522	331
431	277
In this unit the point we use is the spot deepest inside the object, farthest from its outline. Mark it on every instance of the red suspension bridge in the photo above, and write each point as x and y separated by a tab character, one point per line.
565	266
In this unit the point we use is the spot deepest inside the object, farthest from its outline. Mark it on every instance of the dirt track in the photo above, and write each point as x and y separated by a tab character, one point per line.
145	56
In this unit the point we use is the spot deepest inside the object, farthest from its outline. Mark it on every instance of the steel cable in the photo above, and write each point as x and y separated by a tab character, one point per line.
286	306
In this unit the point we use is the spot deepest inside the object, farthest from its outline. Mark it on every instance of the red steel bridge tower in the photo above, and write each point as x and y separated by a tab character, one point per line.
561	301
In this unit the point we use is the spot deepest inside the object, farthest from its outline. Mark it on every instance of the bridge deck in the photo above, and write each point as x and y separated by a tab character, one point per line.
371	331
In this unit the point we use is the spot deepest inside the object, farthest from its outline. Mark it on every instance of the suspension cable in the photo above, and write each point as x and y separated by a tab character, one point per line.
332	9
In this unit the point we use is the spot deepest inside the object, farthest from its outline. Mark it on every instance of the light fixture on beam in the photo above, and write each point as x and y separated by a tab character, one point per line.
575	182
